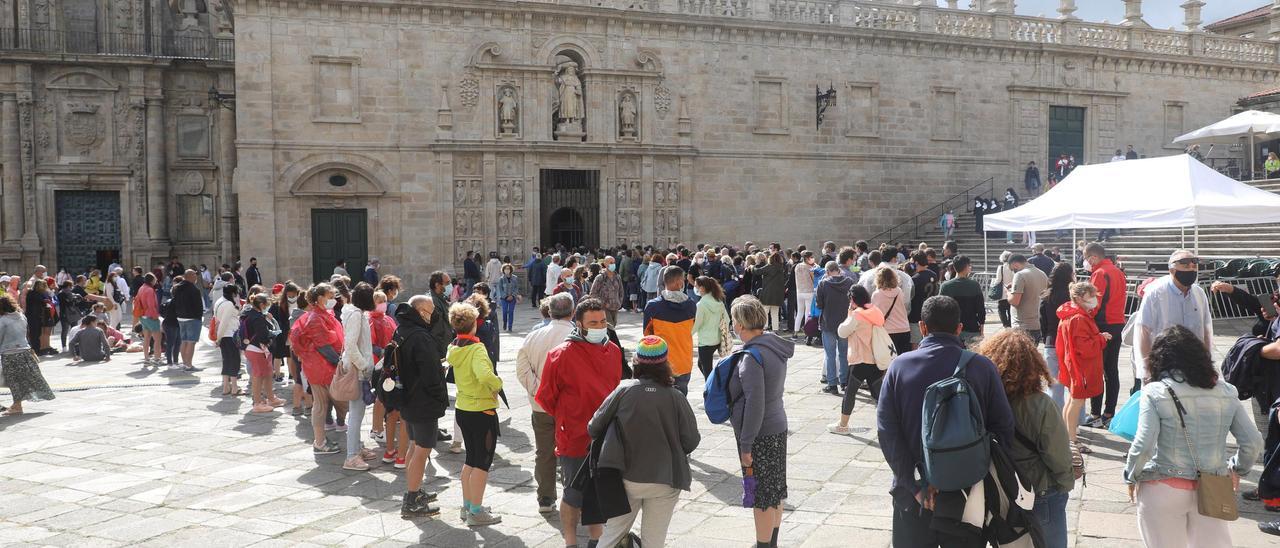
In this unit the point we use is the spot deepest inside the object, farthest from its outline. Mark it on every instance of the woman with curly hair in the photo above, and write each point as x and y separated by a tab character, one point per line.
1183	420
1041	453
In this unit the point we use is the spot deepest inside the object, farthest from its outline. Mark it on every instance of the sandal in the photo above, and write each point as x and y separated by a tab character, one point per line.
1077	464
11	413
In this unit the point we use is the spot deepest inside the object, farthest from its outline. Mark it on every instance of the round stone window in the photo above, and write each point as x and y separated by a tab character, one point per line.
338	180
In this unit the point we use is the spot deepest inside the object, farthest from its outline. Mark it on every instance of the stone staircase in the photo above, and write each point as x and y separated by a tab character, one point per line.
1136	248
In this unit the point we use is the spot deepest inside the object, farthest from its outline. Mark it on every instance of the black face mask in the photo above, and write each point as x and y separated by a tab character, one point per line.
1186	277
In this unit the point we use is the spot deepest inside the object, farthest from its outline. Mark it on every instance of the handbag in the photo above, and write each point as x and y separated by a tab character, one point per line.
726	336
213	329
345	385
997	289
1215	494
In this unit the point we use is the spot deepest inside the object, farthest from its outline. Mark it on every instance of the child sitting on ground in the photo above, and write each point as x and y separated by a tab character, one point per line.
90	343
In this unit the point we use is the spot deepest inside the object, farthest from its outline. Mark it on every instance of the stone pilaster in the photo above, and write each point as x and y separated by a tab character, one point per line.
157	180
10	153
1275	20
229	210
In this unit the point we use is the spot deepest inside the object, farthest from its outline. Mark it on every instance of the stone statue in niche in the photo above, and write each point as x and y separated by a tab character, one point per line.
508	112
517	193
635	192
462	224
460	193
673	193
569	106
477	223
517	222
659	193
627	116
635	221
475	193
622	193
503	221
503	192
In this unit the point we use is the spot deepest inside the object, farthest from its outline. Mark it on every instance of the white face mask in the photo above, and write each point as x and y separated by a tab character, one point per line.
293	300
1088	265
597	336
1090	303
328	305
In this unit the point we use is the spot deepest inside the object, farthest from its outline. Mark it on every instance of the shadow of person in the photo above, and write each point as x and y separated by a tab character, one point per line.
11	420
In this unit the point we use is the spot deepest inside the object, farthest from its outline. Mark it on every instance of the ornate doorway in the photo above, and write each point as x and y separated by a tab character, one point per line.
88	229
570	207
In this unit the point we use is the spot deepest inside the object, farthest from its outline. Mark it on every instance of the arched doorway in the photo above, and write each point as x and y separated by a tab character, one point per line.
568	227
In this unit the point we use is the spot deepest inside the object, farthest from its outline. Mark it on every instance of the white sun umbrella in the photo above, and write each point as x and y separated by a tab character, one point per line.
1250	123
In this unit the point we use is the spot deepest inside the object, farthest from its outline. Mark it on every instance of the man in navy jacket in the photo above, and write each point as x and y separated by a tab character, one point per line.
899	414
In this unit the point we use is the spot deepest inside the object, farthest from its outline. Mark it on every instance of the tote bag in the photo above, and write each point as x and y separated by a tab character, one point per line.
1125	421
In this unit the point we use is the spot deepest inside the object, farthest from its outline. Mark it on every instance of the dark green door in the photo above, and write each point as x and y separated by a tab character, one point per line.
1066	134
338	234
88	229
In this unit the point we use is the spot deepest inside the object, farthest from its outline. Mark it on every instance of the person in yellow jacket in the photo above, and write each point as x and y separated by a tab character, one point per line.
1272	166
94	286
476	410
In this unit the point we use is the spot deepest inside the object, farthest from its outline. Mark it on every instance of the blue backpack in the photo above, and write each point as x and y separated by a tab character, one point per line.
957	448
715	394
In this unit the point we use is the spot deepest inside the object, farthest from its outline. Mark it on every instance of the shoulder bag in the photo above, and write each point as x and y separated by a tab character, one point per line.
345	385
1215	496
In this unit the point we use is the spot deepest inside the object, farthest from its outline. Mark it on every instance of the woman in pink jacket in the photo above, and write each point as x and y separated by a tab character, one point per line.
857	327
894	302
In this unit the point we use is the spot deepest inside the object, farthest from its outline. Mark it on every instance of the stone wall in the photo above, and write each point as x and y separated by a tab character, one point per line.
408	99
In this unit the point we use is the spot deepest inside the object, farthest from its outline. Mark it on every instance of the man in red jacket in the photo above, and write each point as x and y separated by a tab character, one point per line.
1112	294
578	376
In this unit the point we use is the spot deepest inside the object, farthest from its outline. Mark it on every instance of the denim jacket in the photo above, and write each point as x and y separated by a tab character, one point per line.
1159	449
13	333
507	286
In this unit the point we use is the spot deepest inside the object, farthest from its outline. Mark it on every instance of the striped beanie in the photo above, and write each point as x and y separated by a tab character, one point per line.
651	350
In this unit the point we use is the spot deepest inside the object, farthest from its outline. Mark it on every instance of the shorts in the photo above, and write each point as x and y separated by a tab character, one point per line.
150	324
479	436
916	336
259	363
423	433
568	469
189	330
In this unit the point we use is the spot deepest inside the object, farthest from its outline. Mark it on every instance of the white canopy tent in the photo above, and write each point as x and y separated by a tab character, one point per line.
1172	191
1253	124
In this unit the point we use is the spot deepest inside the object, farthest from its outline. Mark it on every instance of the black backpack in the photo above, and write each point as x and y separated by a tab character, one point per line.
1243	366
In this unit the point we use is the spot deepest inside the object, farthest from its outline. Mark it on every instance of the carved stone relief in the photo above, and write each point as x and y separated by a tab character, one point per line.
666	212
192	183
83	129
626	197
508	109
628	115
662	101
469	89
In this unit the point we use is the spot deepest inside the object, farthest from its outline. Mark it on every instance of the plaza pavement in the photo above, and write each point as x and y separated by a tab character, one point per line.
144	458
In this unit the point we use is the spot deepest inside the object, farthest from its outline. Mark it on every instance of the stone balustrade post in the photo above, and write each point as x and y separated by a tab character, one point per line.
1191	15
1068	10
1133	14
1275	21
1070	32
760	10
927	19
1002	26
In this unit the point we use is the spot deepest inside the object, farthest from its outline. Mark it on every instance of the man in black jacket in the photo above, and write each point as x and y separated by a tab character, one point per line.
425	396
253	276
188	306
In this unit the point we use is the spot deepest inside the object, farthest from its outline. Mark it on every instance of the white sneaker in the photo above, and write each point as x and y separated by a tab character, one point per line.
380	437
835	428
455	447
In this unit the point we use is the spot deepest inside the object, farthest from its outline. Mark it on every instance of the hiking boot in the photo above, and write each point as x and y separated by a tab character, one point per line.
482	518
415	505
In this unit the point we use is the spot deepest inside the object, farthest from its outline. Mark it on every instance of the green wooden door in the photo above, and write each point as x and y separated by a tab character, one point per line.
1066	134
338	234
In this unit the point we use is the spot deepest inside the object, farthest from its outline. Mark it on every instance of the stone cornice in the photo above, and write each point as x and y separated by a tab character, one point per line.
518	16
1065	91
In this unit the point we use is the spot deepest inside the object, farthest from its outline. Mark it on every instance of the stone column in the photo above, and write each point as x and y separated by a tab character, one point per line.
1191	14
229	210
1068	10
157	181
1275	20
1133	14
9	155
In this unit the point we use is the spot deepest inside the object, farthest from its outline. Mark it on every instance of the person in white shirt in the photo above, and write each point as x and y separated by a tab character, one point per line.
358	353
1119	157
553	277
1172	300
493	270
529	362
868	278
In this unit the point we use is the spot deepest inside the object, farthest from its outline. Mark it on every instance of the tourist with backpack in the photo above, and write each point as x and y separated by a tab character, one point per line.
1040	452
758	418
900	424
860	328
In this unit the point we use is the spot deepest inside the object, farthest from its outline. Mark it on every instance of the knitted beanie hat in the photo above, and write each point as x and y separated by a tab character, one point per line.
651	350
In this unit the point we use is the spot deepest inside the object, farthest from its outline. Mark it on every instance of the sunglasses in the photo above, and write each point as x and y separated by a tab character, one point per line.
1188	261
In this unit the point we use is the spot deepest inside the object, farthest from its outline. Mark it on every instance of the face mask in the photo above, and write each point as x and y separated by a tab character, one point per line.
672	295
698	292
1186	277
293	300
1090	304
381	307
328	305
613	268
597	336
1088	265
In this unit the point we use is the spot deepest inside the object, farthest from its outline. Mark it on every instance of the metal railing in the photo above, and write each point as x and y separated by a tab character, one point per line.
117	44
911	227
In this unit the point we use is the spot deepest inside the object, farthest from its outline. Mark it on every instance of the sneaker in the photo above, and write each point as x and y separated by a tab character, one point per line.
174	366
443	435
546	505
428	496
367	455
340	427
355	463
1251	494
389	457
380	437
328	449
835	428
329	427
482	518
1091	421
463	513
415	506
831	389
399	465
455	447
297	411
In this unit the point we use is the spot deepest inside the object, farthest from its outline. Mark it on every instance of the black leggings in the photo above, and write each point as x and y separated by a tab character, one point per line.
1003	309
707	359
65	328
863	373
901	342
1110	374
479	436
172	344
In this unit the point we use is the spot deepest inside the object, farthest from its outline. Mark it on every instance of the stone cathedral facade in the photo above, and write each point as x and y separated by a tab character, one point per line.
111	148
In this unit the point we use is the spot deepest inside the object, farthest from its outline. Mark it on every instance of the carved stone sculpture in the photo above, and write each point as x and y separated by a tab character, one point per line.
569	100
503	192
508	112
627	115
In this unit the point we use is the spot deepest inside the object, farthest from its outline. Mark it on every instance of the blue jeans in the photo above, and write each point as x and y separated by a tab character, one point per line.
836	365
508	313
682	383
172	342
355	416
1051	511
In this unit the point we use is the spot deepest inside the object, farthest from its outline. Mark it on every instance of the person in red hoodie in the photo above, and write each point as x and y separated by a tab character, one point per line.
578	376
1112	290
1079	347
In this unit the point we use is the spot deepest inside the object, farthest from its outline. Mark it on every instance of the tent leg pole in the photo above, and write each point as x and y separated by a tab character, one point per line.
1197	240
1073	253
1184	236
985	257
1252	159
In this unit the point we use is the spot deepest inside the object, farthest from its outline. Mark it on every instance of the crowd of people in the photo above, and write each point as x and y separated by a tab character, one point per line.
613	427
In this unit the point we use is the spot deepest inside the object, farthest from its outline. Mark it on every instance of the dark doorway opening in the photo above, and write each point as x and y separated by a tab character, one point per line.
338	234
1066	134
88	229
570	207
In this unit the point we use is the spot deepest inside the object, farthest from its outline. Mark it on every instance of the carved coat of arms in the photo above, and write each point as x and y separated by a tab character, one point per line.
84	126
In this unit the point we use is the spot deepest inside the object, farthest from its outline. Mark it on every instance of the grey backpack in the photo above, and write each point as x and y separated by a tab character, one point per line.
957	449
